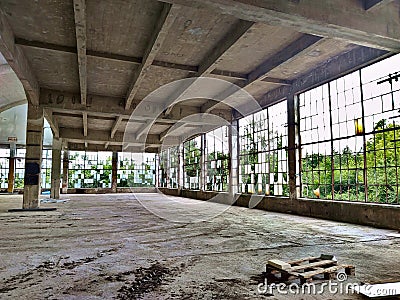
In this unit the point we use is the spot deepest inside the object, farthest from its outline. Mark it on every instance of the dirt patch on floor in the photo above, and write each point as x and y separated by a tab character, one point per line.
146	280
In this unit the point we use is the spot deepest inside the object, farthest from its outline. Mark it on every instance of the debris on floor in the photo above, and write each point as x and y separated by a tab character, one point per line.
50	200
146	280
307	269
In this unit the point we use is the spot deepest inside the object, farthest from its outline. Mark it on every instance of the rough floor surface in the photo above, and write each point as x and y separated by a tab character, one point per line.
148	246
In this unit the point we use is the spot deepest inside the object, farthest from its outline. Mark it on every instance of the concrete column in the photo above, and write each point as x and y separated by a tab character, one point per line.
114	171
55	169
11	168
33	157
180	168
157	168
64	189
291	114
11	174
233	139
203	169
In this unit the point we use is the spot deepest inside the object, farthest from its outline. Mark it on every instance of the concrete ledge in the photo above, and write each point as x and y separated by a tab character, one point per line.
110	191
95	190
370	214
170	192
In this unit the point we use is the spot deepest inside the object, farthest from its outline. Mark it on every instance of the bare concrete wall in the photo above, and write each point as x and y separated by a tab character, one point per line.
377	215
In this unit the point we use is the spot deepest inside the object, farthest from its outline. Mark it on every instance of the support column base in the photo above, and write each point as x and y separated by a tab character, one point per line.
32	209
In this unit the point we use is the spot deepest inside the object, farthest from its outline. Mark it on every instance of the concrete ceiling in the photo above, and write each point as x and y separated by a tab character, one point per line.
89	63
11	90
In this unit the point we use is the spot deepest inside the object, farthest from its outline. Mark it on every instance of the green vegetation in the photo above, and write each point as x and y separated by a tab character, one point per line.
132	175
218	170
99	173
273	181
192	162
382	157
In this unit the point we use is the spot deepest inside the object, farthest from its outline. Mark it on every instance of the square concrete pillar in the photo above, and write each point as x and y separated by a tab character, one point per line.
180	168
202	183
64	188
55	169
233	139
33	157
114	171
291	115
11	168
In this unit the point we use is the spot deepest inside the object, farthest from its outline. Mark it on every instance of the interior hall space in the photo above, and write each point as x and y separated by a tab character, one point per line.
202	149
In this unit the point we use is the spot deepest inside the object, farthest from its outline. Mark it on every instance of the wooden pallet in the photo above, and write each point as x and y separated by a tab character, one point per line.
306	269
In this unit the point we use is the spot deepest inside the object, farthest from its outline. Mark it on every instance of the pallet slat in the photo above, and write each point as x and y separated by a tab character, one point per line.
309	274
299	269
312	265
295	262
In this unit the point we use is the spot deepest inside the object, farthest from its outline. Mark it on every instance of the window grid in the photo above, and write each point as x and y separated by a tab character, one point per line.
217	160
89	169
344	165
192	163
168	168
46	169
263	152
19	169
136	170
163	169
4	170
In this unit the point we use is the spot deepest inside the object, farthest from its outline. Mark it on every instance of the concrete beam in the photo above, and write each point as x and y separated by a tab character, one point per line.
93	147
100	137
334	68
174	66
100	106
111	148
277	81
286	55
121	58
229	74
48	114
170	130
17	60
85	123
73	50
348	21
116	126
144	128
166	19
213	57
196	120
12	104
80	29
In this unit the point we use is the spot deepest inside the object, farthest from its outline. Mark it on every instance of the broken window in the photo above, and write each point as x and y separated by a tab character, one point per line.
263	152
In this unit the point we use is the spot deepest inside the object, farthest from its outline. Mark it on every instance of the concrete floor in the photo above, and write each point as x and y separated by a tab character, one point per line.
112	247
